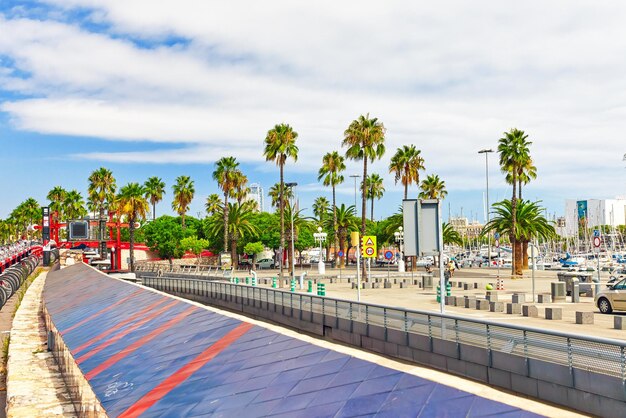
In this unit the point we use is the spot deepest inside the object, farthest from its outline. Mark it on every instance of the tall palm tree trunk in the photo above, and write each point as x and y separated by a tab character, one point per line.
363	213
406	189
372	211
524	254
335	232
131	247
233	252
225	222
515	267
282	225
153	210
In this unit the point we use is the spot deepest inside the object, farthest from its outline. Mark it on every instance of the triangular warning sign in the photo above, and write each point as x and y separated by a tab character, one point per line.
369	241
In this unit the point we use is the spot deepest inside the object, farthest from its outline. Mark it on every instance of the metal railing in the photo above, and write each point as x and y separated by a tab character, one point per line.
594	354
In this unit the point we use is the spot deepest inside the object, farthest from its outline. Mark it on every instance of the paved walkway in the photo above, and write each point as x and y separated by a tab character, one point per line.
35	387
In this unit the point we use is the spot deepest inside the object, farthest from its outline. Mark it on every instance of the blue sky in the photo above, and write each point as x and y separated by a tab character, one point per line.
166	88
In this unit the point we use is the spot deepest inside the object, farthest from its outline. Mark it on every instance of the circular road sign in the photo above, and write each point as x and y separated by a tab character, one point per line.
596	242
388	255
340	253
497	243
497	235
369	251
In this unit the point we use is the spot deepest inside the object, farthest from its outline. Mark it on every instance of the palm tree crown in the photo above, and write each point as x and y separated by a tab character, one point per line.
154	190
183	195
56	196
405	165
433	188
132	203
101	187
333	164
213	203
374	189
228	177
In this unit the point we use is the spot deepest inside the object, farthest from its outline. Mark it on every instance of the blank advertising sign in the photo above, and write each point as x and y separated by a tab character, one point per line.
409	220
429	227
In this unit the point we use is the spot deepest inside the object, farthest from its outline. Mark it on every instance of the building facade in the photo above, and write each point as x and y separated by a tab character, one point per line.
256	195
582	214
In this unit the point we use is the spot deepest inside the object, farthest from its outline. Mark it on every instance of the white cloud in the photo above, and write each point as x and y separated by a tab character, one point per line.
447	76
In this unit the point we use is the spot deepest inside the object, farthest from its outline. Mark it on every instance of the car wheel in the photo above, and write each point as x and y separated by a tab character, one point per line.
605	306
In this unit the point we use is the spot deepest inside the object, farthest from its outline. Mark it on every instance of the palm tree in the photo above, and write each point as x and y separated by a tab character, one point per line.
101	187
280	144
133	204
241	189
74	205
274	194
227	175
239	223
405	165
321	206
213	203
183	195
346	221
154	189
365	139
451	235
333	165
530	221
433	188
514	153
56	196
374	189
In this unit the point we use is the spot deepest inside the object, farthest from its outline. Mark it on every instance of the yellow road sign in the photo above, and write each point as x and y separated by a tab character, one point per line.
368	247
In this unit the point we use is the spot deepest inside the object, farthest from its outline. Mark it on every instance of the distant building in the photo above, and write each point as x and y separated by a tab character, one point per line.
256	195
466	228
581	214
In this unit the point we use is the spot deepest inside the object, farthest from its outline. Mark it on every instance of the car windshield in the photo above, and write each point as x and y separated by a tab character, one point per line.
620	285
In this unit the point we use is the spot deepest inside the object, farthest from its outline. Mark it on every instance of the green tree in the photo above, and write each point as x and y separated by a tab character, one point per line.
514	152
451	235
74	205
239	225
333	164
374	189
164	236
56	196
300	223
194	245
154	191
133	204
254	249
280	144
405	165
346	221
183	195
228	176
102	187
274	194
433	188
213	203
321	207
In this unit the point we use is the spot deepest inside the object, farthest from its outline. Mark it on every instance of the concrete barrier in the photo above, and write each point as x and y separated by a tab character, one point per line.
470	301
544	298
530	311
619	322
557	291
554	313
513	308
496	306
518	298
482	304
584	317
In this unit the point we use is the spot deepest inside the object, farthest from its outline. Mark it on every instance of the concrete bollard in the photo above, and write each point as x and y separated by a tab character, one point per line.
513	308
354	285
518	298
459	301
554	313
544	298
470	301
387	285
557	291
619	322
376	285
530	311
460	285
496	306
476	285
450	300
466	286
575	292
492	295
482	305
403	285
427	282
584	317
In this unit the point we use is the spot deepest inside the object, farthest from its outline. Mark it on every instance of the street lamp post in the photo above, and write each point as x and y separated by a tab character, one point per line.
293	253
486	152
355	176
399	236
321	237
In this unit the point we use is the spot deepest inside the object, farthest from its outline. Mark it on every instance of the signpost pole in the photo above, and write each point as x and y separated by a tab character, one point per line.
596	243
358	273
532	255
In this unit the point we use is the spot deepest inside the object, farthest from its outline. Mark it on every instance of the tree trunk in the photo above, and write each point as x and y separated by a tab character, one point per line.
153	211
282	225
406	189
515	269
372	213
342	260
363	214
524	255
233	253
335	232
518	258
225	222
131	233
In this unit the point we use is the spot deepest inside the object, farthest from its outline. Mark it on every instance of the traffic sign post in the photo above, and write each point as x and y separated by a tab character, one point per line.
388	257
368	247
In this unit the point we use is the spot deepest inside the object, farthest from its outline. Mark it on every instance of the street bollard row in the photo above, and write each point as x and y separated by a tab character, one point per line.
13	277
